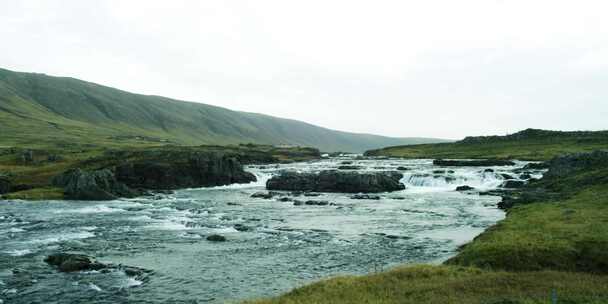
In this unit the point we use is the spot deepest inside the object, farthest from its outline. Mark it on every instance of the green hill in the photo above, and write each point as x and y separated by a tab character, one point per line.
529	144
36	109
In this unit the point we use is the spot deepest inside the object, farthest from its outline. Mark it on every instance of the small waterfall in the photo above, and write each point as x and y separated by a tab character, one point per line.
447	180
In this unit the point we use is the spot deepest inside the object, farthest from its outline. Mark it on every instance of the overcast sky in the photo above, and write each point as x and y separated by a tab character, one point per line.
400	68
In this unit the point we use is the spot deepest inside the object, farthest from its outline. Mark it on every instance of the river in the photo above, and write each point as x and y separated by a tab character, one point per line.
283	245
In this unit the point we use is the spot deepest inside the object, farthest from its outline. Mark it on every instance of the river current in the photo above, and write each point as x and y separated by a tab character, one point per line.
272	246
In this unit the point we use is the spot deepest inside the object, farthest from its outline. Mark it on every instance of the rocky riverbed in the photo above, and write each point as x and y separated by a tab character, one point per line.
211	245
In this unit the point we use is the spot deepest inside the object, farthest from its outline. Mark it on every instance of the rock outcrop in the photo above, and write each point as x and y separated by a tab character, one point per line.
72	262
464	188
92	185
562	180
473	163
199	170
337	181
68	262
365	197
5	184
216	238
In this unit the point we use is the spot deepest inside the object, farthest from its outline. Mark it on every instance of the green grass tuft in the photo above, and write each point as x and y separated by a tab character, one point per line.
450	284
45	193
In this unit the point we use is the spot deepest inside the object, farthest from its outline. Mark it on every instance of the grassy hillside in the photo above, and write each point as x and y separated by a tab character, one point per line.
529	144
40	110
553	240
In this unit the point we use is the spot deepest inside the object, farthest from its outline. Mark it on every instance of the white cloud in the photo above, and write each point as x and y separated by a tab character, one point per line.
402	68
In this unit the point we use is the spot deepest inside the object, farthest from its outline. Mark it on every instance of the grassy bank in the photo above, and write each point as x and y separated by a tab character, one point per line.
525	145
555	237
451	284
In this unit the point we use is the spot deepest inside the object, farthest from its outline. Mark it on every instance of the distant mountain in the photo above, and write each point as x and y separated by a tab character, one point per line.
41	109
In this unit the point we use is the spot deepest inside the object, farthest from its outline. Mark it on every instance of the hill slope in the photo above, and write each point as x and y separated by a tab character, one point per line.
36	108
529	144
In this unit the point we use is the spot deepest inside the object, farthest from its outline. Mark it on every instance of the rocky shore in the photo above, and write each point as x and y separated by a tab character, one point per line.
133	172
337	181
133	178
563	179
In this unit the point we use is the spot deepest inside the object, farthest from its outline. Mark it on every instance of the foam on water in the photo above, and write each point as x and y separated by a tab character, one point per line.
129	282
91	210
18	252
94	287
63	237
261	179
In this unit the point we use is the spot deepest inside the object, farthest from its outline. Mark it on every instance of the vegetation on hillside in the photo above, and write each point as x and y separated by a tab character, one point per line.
530	144
37	110
553	240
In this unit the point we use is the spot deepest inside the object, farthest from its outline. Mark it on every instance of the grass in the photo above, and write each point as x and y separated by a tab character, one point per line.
451	284
569	235
44	193
532	146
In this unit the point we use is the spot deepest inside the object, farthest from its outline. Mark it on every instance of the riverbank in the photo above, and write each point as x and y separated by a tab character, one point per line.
32	174
554	240
530	144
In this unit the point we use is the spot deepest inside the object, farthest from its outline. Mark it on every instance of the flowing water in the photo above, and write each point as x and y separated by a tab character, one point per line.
284	246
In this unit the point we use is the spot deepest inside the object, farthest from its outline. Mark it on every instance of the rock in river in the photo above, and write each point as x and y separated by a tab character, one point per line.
197	170
216	238
513	184
365	197
92	185
5	184
473	163
337	181
464	188
68	262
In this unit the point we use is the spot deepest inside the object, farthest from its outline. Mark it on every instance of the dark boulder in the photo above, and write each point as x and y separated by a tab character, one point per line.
197	170
365	197
216	238
473	163
68	262
316	203
264	195
21	187
27	157
506	176
241	227
525	176
337	181
564	166
464	188
536	166
401	168
51	158
92	185
488	170
513	184
5	184
349	167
